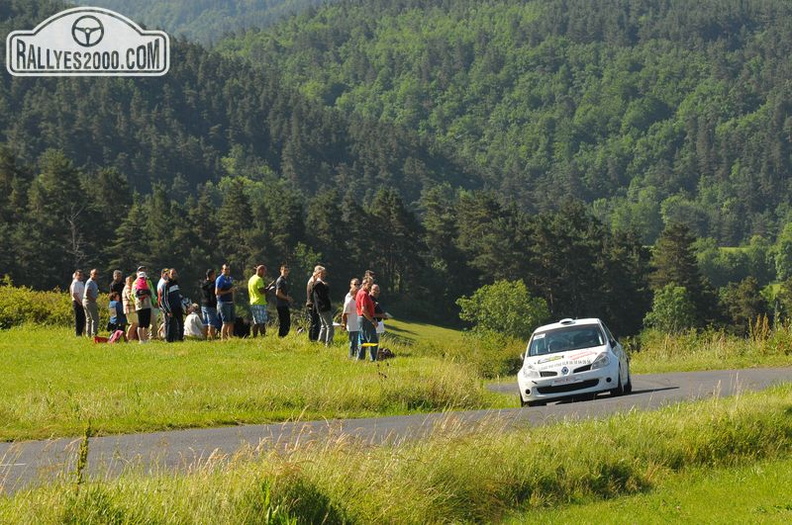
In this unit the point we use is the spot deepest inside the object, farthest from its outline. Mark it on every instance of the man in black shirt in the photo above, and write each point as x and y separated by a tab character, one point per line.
282	301
209	305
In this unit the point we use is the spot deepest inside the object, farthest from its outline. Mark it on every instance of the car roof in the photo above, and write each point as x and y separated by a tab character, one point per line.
564	323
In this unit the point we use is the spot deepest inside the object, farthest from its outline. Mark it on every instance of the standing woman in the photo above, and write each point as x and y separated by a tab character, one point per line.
142	293
128	300
324	310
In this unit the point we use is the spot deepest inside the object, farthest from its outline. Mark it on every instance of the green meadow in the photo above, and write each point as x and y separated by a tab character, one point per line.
676	464
56	384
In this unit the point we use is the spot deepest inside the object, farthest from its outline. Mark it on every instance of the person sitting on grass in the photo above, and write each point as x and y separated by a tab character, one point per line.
193	325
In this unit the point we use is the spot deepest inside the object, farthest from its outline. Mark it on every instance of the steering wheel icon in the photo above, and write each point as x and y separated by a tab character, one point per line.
87	31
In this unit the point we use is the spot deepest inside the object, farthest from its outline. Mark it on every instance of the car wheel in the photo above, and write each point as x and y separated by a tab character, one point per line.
619	390
536	403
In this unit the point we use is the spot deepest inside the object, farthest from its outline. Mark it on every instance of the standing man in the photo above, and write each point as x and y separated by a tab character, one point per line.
172	308
349	318
257	290
282	301
160	304
89	304
224	290
117	284
313	314
211	320
368	324
77	290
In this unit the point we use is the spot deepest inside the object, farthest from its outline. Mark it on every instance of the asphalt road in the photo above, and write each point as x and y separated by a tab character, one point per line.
31	463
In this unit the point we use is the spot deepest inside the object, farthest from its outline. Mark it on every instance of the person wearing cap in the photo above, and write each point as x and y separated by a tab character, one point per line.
224	290
257	291
141	290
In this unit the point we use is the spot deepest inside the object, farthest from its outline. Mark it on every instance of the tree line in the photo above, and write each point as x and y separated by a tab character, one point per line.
57	217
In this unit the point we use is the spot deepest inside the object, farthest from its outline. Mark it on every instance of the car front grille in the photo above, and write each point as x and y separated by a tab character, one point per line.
568	388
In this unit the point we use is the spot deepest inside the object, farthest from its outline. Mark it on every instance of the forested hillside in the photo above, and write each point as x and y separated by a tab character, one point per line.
182	125
204	21
653	111
443	144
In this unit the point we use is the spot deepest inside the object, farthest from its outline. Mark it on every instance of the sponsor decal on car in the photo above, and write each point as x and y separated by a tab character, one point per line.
549	359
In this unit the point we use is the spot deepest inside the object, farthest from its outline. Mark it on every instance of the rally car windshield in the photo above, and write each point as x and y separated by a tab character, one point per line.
565	339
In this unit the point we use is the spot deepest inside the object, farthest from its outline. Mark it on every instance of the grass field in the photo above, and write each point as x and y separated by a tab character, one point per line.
716	461
55	384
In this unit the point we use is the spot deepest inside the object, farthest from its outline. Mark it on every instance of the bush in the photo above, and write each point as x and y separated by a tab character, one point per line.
22	305
505	308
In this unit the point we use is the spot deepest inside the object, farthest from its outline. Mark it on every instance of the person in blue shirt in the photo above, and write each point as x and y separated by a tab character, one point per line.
224	290
118	319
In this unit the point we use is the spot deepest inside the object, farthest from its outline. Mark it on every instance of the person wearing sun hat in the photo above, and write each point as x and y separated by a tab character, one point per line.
141	290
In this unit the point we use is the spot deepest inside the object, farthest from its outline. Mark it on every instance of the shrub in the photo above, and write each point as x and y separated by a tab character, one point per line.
504	307
23	305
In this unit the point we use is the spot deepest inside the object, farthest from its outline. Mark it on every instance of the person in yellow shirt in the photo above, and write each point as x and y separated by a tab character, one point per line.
258	301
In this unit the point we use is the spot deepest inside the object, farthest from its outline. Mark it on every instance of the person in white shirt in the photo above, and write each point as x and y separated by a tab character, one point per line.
77	290
193	325
90	306
349	318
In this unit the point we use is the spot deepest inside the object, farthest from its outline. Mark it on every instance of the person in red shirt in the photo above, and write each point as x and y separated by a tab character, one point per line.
364	305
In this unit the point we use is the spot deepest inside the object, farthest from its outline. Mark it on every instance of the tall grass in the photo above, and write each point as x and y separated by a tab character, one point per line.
458	475
657	352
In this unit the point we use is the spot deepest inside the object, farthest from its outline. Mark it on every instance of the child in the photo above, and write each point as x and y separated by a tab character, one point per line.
117	318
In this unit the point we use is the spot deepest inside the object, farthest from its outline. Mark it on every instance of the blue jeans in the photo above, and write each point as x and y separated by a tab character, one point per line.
210	317
226	312
354	343
369	337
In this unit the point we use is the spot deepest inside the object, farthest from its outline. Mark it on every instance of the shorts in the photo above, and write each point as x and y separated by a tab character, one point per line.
144	317
132	317
210	317
259	313
226	312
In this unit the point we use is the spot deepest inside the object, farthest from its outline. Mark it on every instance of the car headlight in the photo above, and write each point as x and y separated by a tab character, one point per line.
601	361
529	371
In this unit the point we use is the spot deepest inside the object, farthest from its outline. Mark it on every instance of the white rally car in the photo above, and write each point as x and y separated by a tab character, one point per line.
572	359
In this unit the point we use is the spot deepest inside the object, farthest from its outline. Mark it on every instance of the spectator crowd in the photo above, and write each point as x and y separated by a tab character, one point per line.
141	311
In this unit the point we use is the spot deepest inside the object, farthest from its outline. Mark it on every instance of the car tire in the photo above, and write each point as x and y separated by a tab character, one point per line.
619	390
628	386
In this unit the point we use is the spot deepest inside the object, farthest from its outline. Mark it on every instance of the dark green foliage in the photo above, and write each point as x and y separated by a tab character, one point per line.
685	103
743	304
